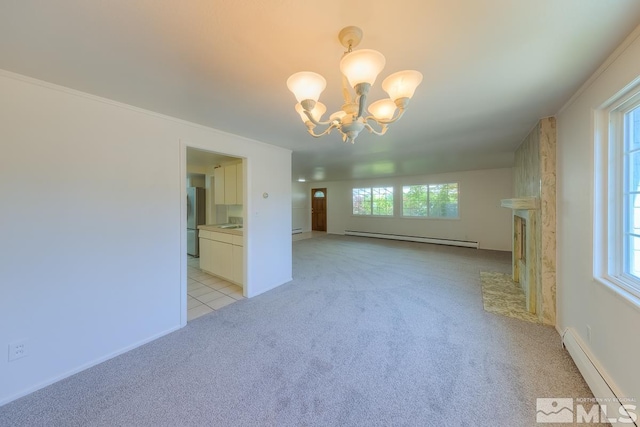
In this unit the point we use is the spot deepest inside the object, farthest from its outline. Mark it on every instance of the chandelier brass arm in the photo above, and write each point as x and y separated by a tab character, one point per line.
382	131
311	126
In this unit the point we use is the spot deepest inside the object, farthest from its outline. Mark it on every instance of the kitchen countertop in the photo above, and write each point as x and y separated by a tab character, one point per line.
216	228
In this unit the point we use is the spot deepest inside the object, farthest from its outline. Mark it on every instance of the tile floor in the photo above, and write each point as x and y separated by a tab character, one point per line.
206	293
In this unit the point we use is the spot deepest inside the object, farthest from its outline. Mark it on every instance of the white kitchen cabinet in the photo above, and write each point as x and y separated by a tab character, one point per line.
239	184
218	186
230	185
206	254
238	254
222	259
238	260
222	254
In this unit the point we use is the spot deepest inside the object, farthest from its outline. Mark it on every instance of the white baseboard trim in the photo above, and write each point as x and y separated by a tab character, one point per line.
81	368
601	385
279	283
437	241
575	347
296	231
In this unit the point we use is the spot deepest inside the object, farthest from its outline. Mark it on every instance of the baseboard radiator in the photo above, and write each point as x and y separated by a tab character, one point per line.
296	231
600	384
448	242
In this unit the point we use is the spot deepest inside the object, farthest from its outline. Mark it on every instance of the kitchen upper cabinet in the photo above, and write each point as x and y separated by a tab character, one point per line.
239	184
218	186
230	190
229	185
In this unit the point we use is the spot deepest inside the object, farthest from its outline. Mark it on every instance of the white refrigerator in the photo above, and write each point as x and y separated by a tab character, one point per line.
195	217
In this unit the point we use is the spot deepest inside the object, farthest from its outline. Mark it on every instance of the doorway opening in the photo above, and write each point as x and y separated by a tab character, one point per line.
214	273
318	209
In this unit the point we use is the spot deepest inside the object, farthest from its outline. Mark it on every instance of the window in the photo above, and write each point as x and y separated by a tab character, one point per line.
432	201
377	201
617	187
631	196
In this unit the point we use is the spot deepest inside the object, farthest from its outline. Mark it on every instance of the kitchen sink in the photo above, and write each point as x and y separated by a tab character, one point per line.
230	227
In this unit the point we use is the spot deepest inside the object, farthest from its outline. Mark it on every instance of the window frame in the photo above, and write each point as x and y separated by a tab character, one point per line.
610	183
371	207
428	185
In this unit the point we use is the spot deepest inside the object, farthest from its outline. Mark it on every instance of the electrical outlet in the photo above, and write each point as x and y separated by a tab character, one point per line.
17	350
589	334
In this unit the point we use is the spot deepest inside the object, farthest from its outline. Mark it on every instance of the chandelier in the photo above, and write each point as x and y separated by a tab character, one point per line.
359	70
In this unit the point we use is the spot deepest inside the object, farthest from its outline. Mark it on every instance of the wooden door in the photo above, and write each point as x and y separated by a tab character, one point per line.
319	209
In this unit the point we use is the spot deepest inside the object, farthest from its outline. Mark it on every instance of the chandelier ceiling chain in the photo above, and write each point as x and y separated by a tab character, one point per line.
359	70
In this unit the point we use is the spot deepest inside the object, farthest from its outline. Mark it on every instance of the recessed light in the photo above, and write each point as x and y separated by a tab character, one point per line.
302	180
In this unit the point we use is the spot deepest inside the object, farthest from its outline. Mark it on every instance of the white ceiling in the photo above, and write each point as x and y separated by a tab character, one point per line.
491	68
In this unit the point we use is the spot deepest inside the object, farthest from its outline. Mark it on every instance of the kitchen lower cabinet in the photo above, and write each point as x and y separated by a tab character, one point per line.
206	254
222	259
222	255
238	263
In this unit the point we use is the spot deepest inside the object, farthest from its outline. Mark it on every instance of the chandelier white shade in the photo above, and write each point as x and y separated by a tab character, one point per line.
362	66
306	85
360	70
402	84
383	109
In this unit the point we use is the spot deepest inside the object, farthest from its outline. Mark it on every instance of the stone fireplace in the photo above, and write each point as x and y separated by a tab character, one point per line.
534	218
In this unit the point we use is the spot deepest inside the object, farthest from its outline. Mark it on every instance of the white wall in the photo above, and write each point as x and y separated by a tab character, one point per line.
301	206
582	301
481	217
91	241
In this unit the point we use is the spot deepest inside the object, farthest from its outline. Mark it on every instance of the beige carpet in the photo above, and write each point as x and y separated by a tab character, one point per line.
368	333
501	295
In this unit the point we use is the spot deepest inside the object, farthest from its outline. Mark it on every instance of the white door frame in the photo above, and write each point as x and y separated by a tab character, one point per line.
183	222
